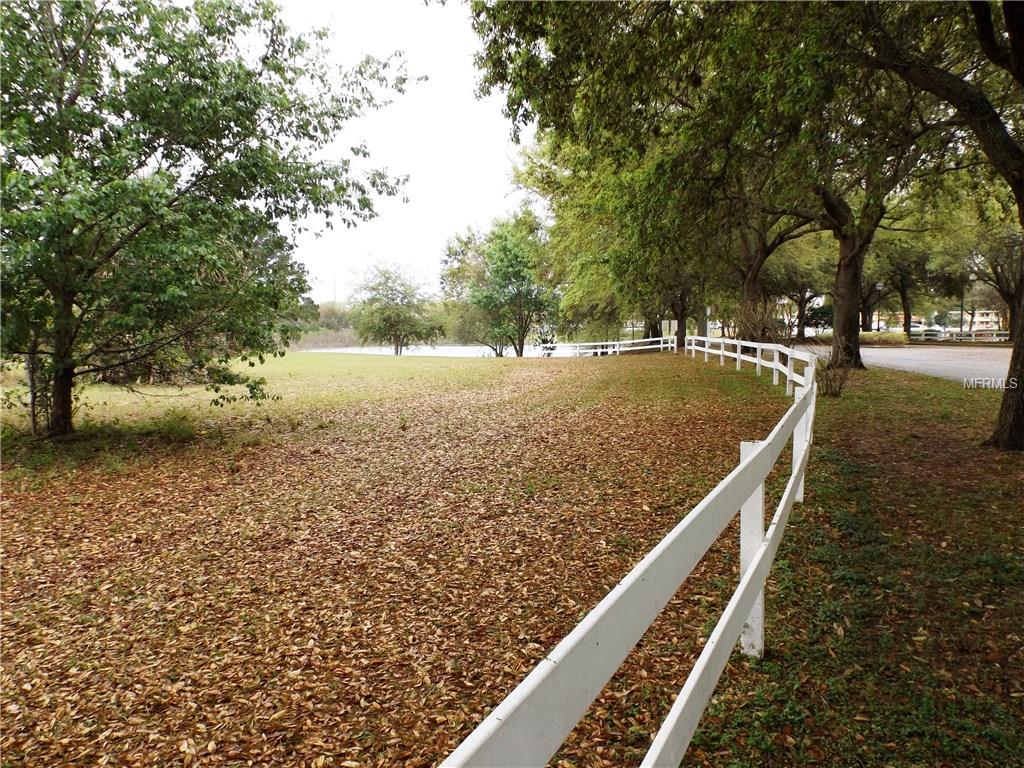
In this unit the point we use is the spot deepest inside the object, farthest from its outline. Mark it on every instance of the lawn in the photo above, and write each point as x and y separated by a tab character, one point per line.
356	573
897	604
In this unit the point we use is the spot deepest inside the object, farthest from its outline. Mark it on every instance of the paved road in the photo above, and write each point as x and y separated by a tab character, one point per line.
956	363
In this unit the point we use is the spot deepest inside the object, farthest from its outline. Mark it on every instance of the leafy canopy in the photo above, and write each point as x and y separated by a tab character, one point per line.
154	157
394	311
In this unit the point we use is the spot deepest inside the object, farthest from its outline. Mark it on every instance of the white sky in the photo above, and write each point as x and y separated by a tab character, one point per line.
455	148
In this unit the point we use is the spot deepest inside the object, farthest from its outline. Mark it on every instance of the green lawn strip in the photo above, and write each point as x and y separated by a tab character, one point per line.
894	610
115	424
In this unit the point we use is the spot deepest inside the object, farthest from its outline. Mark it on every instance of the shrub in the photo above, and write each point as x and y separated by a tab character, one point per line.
871	338
831	380
883	338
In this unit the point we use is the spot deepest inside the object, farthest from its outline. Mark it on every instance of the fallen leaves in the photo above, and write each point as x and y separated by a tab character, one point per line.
356	593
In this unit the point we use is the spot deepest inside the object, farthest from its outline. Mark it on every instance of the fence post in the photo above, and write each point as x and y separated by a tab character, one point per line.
801	436
721	351
707	348
757	351
789	373
739	354
751	537
775	366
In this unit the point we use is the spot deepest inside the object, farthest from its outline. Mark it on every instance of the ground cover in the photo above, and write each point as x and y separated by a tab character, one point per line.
354	574
895	609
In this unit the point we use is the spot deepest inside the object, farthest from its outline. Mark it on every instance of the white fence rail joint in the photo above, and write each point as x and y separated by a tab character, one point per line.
529	726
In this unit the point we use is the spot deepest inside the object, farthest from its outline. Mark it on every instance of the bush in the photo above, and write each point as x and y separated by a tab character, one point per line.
883	338
871	338
831	380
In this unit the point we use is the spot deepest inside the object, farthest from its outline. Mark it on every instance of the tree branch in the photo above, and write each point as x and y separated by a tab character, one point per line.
1000	55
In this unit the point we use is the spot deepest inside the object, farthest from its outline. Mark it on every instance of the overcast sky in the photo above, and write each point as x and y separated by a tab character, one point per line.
455	148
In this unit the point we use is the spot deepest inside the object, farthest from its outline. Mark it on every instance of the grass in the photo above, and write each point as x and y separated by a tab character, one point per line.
894	622
307	389
355	572
359	570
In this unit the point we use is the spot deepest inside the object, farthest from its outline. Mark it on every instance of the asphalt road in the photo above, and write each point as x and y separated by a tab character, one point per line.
956	363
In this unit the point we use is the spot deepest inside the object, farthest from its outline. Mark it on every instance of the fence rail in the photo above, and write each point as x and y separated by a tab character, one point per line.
584	348
529	726
976	335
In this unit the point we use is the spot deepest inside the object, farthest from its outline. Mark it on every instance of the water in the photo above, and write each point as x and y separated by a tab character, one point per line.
447	350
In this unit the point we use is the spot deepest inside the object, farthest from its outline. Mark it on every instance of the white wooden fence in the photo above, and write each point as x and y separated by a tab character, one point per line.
529	726
976	335
583	349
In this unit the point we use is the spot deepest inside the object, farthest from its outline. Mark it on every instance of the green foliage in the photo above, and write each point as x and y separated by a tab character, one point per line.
334	316
494	285
872	338
510	294
463	272
151	153
394	311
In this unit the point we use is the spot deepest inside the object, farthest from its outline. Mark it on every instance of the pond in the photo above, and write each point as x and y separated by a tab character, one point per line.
450	350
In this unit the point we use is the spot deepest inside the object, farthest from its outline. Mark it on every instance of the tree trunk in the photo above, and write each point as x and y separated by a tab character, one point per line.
866	314
908	316
702	322
519	344
680	307
1009	434
801	316
32	374
751	320
652	328
61	405
846	306
63	368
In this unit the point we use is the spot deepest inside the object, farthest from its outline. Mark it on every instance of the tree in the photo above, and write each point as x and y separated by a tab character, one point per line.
971	55
508	291
802	273
151	153
786	137
463	271
334	316
394	311
627	240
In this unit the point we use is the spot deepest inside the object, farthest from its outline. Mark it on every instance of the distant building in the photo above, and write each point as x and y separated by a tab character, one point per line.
984	320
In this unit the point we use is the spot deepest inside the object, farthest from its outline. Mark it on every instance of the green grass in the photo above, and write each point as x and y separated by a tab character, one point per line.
306	389
894	617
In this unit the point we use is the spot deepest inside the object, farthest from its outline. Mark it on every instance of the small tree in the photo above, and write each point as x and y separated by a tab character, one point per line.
463	270
509	293
394	311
